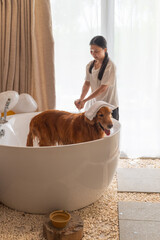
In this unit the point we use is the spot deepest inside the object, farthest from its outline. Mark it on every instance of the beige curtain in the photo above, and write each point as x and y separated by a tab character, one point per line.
27	50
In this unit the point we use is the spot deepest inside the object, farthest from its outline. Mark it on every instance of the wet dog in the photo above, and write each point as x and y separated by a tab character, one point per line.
54	127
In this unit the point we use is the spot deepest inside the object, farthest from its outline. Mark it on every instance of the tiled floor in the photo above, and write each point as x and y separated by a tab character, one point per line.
139	220
138	180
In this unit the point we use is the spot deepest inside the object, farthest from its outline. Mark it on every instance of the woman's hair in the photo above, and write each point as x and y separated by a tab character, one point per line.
100	41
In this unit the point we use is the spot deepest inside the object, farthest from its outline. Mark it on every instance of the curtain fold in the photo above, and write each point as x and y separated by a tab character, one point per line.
27	50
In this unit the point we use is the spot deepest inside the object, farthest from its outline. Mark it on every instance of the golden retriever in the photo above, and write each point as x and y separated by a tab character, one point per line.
59	127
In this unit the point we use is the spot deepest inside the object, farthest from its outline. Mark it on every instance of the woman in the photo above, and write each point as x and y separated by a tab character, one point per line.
100	76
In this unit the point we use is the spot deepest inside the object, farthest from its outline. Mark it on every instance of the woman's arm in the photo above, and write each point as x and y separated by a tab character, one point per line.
85	90
97	92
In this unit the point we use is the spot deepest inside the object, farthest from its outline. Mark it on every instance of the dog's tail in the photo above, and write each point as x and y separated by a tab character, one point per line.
30	140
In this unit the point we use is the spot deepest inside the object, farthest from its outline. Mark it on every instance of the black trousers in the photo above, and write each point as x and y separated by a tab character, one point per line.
115	113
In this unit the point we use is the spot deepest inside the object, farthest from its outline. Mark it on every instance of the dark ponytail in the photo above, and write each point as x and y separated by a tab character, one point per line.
100	41
103	66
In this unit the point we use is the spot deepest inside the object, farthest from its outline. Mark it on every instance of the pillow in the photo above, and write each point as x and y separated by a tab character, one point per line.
25	104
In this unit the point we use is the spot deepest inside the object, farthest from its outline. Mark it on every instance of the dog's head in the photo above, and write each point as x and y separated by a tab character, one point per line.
103	119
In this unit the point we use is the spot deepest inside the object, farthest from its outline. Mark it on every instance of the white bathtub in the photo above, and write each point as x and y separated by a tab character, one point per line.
42	179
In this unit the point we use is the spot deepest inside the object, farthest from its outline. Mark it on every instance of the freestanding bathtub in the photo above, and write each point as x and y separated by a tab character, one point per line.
42	179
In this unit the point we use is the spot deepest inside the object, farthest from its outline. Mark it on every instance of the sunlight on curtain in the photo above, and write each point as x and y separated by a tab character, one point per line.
137	57
136	45
74	24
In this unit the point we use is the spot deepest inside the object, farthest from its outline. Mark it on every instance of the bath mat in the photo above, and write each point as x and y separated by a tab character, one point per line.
139	220
138	180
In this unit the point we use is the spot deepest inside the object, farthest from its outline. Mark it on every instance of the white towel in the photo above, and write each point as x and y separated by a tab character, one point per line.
92	111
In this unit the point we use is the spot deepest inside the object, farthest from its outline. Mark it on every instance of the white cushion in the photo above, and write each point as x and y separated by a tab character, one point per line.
25	104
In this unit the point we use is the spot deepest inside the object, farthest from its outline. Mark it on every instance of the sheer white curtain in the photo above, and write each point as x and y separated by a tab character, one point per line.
137	57
133	35
75	22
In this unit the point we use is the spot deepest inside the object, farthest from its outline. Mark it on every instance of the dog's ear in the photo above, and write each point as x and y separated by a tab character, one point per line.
91	122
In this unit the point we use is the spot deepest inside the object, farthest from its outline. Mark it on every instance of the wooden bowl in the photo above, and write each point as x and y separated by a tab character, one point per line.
59	218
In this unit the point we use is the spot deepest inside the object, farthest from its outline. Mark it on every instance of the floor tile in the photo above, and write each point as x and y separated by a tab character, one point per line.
139	220
139	211
138	180
139	230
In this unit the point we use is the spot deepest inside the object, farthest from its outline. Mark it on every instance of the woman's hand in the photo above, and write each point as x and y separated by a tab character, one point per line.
79	103
82	104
